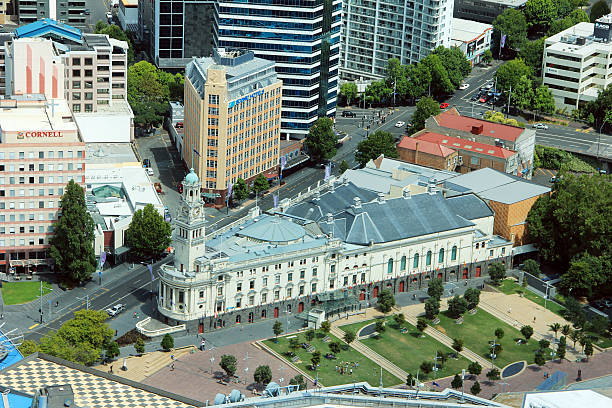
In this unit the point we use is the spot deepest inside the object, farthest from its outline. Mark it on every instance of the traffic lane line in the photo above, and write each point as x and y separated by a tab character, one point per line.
544	135
33	326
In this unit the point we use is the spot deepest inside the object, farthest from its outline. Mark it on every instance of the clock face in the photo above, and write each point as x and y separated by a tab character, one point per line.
196	212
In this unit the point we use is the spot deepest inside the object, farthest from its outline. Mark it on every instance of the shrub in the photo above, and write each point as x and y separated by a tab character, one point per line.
380	325
493	374
139	346
263	374
475	388
167	342
499	333
474	368
457	382
527	332
131	337
458	345
544	344
426	367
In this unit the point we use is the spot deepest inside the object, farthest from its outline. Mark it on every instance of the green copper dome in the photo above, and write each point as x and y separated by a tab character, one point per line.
192	178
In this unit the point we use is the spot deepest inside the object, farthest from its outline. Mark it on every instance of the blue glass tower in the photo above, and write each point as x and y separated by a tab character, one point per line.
303	38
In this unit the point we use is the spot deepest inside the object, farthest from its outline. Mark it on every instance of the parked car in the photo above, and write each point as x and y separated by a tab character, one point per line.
150	171
400	124
475	97
146	163
464	86
484	99
109	17
348	114
444	105
608	303
490	85
179	188
540	126
115	310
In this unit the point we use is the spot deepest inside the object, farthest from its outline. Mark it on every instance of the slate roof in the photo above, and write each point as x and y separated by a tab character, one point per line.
273	229
469	206
395	219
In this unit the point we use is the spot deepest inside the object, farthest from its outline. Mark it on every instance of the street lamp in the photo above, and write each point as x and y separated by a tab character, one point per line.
493	345
546	297
599	136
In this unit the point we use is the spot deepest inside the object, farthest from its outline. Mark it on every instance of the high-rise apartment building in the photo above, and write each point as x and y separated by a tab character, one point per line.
303	38
232	119
374	31
65	11
176	30
41	150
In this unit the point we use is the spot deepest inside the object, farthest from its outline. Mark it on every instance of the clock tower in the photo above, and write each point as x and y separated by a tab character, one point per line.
189	235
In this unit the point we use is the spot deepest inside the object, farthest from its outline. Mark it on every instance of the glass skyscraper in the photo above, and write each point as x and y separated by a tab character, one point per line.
303	38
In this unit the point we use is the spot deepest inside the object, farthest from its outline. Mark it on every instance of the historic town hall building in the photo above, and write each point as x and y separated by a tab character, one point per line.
334	251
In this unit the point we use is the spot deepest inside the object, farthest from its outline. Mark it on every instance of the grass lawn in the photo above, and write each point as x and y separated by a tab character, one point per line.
510	287
15	293
478	330
408	351
367	370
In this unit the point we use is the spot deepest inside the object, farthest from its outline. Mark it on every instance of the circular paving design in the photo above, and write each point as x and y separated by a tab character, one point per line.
367	330
513	369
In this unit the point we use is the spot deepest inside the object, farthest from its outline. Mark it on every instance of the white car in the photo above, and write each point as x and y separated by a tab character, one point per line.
115	310
150	171
540	126
400	124
464	86
489	85
109	16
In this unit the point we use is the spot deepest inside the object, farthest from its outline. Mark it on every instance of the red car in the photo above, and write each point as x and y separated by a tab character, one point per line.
444	105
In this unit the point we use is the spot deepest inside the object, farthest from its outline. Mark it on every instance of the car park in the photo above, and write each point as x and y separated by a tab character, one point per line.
400	124
348	114
540	126
115	310
464	86
444	105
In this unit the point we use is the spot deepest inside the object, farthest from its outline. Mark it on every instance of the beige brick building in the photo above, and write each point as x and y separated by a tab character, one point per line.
232	120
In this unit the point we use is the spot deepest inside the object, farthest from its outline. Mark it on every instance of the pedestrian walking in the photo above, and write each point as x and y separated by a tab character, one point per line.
172	367
534	319
509	310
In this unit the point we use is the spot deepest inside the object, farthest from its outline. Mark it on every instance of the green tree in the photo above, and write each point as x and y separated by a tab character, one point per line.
455	62
565	330
426	367
421	324
574	312
472	296
149	234
588	349
458	345
497	272
349	336
441	83
112	350
28	347
425	108
432	308
513	25
262	375
72	244
561	350
574	336
522	93
335	347
167	342
240	190
228	364
539	14
321	141
294	343
277	328
457	382
326	326
377	92
139	346
532	267
310	334
419	79
380	326
599	9
474	368
81	339
146	94
493	374
315	359
379	142
539	358
175	83
585	273
386	301
435	288
400	319
527	332
575	17
487	56
343	166
457	306
543	100
349	91
509	74
544	344
298	380
554	327
475	388
499	333
260	184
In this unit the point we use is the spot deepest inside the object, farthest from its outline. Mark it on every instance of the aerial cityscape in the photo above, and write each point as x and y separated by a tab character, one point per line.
272	203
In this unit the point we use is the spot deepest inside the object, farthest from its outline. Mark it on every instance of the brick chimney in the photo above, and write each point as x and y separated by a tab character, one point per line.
477	129
416	153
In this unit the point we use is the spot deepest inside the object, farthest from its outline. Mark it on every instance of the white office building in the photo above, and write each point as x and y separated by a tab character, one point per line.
373	31
576	63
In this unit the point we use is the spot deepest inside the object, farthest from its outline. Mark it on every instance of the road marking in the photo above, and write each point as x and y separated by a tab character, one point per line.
33	326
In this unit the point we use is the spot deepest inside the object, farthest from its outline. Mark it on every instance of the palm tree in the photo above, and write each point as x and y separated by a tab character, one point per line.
566	329
555	327
582	339
574	336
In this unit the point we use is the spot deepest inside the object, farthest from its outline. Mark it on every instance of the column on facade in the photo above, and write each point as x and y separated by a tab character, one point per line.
173	299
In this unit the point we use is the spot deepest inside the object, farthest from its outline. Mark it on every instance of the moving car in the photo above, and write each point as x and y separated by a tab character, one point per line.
464	86
109	16
348	114
444	105
150	171
115	310
146	163
400	124
540	126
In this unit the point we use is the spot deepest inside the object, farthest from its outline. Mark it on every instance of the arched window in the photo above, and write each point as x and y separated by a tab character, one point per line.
428	258
415	263
441	255
390	266
403	263
454	253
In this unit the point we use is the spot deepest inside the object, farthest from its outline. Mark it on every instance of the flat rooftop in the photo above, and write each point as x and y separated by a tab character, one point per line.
467	30
37	116
109	153
564	42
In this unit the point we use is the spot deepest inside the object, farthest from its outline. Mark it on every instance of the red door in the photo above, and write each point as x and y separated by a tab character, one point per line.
300	307
401	286
275	312
362	296
201	328
439	276
478	271
465	273
375	291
